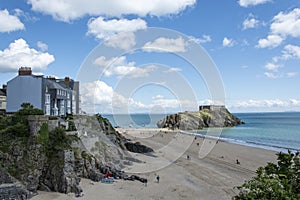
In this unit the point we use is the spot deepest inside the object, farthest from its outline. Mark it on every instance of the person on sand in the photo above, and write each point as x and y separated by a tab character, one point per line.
107	175
188	157
157	178
237	162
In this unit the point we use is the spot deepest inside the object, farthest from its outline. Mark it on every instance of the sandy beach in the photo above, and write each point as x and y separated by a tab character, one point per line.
183	174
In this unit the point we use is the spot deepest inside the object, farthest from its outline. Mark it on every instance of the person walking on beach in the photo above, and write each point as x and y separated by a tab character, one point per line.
157	178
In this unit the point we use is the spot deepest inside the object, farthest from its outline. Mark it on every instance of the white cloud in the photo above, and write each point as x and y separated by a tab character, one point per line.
288	52
20	54
173	69
250	22
24	15
227	42
158	97
97	96
287	24
272	67
203	39
283	25
163	44
291	74
271	75
125	40
120	67
267	103
246	3
43	47
68	10
291	51
270	41
9	22
103	29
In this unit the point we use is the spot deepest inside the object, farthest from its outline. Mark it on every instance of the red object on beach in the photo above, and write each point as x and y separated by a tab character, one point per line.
107	175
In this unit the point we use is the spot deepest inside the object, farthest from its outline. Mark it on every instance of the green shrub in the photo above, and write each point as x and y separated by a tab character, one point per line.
281	181
43	136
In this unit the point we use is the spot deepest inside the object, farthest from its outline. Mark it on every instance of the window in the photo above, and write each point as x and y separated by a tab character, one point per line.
47	98
47	109
68	103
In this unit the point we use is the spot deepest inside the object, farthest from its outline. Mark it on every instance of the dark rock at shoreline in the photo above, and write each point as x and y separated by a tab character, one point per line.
137	147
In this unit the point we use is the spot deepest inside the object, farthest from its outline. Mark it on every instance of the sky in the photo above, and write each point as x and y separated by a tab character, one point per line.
159	55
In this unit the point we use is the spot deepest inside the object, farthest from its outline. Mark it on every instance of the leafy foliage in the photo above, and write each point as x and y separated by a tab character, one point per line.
28	109
105	125
281	181
17	124
43	136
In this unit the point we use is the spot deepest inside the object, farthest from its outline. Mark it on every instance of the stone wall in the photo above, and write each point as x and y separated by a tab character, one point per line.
13	191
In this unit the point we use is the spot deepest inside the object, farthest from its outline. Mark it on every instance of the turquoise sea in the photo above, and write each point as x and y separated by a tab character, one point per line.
275	131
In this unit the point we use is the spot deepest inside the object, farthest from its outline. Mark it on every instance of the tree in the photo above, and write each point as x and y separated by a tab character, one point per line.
281	181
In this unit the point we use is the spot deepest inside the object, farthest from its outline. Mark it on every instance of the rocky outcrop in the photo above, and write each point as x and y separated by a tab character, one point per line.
197	120
36	156
137	147
10	188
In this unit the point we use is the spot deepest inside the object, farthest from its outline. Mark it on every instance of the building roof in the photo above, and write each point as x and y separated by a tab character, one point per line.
2	93
51	84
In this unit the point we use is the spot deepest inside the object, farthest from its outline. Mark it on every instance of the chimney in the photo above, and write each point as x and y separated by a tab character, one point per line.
67	81
25	71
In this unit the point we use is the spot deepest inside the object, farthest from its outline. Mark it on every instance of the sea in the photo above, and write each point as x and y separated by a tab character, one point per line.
278	131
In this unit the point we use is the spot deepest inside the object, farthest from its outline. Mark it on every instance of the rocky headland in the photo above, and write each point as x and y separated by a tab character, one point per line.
38	152
207	116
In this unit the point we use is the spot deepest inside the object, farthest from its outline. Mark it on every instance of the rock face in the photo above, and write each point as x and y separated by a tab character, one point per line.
202	119
29	163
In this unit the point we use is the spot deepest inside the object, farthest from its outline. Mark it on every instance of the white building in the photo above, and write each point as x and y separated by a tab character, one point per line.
53	96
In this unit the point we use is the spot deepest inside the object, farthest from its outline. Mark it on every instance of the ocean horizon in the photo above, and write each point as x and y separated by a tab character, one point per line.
278	131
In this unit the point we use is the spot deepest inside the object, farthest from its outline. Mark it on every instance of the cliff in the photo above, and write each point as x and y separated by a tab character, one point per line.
52	154
204	118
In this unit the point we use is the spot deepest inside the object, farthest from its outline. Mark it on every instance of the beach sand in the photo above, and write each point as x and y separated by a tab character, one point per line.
193	178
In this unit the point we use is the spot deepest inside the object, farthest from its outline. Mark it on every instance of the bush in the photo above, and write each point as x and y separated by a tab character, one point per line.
281	181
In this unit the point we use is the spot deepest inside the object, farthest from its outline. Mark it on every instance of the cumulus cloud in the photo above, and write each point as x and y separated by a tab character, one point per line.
291	51
247	3
97	96
9	22
68	10
287	24
163	44
283	25
20	54
203	39
227	42
125	40
102	29
118	66
250	22
117	33
271	41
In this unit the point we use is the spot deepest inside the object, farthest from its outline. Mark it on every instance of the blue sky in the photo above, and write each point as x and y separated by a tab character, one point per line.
254	44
